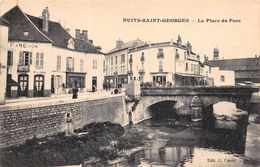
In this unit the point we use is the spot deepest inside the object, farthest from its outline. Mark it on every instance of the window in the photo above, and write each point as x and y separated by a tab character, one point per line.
70	64
25	58
123	58
10	58
116	60
185	55
25	33
111	60
58	81
187	66
160	53
81	65
58	63
39	60
160	66
94	64
131	59
142	58
209	69
122	69
177	56
104	66
111	70
222	78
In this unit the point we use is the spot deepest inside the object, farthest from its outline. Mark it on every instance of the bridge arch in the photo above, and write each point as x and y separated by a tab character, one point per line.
162	109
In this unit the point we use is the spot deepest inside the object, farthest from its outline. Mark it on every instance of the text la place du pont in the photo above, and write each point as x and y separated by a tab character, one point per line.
219	20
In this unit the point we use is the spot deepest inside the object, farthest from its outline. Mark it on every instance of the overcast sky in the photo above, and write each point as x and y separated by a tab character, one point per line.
104	21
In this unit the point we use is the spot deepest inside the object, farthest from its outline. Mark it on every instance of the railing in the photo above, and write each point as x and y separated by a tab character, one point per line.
130	72
70	69
23	68
160	55
141	72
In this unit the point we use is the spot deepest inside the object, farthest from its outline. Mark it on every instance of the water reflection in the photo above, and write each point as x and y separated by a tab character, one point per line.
189	147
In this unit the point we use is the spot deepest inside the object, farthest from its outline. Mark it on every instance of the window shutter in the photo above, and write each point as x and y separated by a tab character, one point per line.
42	60
37	59
21	58
30	58
67	63
72	64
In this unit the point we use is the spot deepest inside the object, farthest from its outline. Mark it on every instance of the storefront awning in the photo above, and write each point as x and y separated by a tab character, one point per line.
159	73
11	82
190	75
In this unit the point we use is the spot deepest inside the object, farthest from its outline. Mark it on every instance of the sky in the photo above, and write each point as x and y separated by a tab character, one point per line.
104	21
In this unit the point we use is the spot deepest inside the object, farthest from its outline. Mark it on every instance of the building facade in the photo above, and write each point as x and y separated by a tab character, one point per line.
3	54
44	59
247	70
117	63
171	64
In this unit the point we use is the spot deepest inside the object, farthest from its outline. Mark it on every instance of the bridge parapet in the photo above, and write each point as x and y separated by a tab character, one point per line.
212	90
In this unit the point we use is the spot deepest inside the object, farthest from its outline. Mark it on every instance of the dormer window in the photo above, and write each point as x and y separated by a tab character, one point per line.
70	43
26	33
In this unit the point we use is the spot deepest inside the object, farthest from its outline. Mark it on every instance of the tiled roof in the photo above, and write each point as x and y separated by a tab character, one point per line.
3	22
236	64
134	43
19	23
56	32
85	46
57	35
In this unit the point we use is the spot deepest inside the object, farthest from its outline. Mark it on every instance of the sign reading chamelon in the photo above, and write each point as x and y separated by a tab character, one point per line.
23	45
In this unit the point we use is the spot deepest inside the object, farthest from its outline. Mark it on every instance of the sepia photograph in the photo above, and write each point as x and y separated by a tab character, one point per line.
129	83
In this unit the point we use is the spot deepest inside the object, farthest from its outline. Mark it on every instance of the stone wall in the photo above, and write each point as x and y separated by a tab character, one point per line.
43	118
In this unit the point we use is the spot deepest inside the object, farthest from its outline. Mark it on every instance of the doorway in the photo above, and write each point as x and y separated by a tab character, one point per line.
38	85
23	80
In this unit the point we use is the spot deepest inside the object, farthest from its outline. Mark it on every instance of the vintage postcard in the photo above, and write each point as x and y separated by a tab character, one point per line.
130	83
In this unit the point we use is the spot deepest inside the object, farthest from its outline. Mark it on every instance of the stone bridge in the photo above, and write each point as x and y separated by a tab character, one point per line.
182	97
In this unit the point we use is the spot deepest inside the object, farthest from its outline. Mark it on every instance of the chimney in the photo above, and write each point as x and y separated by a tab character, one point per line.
84	34
215	54
68	30
77	33
179	41
119	43
189	48
198	56
206	58
149	43
45	19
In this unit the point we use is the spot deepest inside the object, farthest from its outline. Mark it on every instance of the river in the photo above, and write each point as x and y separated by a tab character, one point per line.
187	147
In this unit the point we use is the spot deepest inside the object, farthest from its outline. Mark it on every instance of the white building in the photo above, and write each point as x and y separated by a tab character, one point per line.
44	59
3	55
171	63
117	63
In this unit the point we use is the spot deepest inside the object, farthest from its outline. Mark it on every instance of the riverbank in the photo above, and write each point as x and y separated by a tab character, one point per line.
98	141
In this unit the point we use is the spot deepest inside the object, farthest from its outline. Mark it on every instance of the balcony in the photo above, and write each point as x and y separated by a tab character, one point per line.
141	72
160	55
70	69
130	72
23	68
